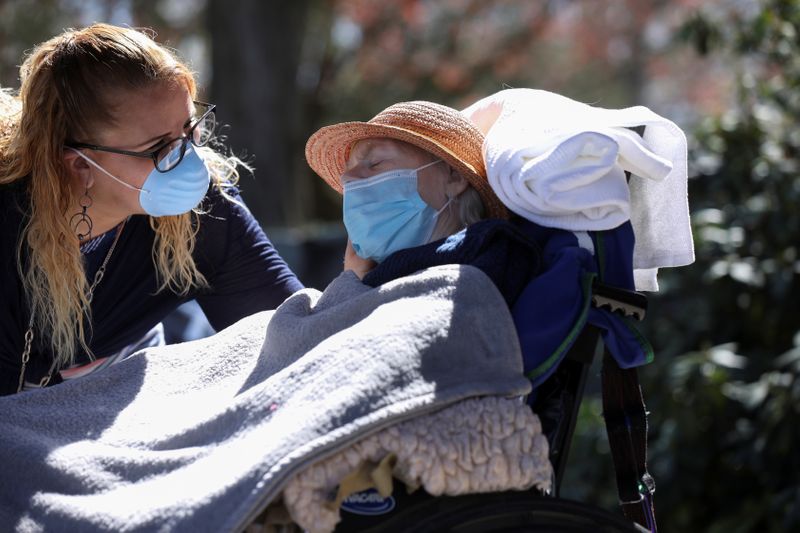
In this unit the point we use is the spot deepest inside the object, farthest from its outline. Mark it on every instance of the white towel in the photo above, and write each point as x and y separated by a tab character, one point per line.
561	163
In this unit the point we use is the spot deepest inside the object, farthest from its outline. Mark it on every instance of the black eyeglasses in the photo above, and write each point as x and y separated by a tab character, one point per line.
170	154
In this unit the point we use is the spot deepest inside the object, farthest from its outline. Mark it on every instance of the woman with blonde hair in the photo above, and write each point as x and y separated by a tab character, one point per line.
115	209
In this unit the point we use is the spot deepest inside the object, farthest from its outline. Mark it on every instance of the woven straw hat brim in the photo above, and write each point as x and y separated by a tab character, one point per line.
327	151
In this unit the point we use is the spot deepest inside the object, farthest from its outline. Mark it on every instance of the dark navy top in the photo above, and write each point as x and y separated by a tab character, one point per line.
244	271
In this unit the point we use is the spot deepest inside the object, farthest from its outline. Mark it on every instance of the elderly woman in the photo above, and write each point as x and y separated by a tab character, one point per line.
412	179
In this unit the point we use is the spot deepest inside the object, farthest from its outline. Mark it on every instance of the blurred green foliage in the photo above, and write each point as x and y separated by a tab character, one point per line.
724	393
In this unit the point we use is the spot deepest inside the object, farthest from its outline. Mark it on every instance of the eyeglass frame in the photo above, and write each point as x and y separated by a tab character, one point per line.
187	138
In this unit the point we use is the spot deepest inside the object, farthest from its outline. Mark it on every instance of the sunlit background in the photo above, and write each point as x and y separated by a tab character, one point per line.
724	392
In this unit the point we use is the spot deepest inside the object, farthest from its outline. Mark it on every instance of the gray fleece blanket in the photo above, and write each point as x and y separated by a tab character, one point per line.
201	436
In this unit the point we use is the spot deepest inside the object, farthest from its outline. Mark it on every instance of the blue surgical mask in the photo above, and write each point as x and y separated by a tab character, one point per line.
169	193
385	213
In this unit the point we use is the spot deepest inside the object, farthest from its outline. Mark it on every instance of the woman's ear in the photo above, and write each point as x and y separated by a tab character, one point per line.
456	183
78	168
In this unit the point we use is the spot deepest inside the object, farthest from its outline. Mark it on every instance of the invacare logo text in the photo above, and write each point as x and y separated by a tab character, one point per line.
368	502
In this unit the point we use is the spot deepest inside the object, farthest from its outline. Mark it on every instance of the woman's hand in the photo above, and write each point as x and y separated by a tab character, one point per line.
355	263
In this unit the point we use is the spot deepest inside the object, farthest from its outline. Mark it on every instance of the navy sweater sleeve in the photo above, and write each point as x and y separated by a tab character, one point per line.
13	321
246	275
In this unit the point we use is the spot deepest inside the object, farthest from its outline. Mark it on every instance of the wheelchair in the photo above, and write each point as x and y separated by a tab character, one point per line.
556	402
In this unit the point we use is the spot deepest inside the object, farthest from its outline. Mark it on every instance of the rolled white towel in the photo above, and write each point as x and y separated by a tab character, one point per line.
561	163
574	185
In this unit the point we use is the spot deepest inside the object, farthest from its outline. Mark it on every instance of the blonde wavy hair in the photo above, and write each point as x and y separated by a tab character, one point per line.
67	89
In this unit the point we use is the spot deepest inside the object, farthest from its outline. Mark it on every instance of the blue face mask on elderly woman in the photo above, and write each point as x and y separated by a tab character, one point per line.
385	213
169	193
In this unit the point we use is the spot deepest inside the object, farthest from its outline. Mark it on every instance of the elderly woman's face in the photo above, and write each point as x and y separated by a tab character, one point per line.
375	156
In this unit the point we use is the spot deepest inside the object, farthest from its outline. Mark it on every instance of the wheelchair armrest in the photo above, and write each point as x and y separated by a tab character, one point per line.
622	301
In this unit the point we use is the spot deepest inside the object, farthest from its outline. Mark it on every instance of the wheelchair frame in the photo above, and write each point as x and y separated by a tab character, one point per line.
556	403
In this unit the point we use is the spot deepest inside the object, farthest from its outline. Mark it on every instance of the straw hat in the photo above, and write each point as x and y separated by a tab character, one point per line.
438	129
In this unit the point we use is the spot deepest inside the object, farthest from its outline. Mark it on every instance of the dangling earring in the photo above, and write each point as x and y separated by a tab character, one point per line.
81	222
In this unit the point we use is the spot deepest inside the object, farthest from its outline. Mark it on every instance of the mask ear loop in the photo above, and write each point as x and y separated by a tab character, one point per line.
439	212
441	209
106	172
449	198
445	206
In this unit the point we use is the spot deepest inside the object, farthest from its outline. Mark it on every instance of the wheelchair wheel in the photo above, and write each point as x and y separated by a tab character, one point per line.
505	512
